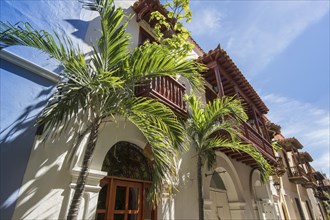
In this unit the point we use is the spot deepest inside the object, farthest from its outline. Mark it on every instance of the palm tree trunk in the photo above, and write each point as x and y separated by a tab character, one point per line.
81	181
200	189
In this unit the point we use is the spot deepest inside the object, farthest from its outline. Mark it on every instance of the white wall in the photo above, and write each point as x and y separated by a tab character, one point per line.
51	174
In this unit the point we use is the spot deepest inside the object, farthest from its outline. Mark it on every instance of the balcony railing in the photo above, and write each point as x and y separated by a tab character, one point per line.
279	168
250	135
167	90
311	183
263	145
298	175
320	195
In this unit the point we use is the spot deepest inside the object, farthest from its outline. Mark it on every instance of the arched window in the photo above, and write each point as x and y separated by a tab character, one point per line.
125	159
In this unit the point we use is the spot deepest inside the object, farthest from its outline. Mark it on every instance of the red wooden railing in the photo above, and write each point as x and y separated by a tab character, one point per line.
263	145
167	90
250	135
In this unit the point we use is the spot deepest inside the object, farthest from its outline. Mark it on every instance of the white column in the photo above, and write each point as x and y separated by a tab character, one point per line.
88	204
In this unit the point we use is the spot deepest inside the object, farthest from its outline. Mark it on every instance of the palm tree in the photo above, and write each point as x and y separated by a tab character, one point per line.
101	85
214	126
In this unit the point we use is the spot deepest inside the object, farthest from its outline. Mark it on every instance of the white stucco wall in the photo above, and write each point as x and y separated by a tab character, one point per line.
289	191
51	173
236	177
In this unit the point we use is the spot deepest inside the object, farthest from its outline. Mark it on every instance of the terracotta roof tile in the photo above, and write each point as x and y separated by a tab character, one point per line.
221	56
290	143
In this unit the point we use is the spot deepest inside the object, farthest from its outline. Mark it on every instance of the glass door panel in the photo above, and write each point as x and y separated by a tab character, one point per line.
120	201
133	199
126	203
119	217
132	217
101	204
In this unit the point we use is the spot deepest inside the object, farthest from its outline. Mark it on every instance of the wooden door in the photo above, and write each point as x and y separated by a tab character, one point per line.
126	201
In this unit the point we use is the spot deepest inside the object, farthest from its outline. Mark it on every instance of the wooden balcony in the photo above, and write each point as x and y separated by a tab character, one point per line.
247	135
320	195
250	135
279	168
168	91
298	175
311	183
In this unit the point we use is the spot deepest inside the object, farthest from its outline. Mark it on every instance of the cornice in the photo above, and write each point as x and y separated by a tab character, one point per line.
25	64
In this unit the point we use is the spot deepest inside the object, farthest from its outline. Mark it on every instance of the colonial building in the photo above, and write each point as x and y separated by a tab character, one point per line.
295	182
117	188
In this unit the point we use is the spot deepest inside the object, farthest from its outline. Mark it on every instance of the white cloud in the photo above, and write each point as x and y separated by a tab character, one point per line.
309	124
206	22
255	36
274	30
323	164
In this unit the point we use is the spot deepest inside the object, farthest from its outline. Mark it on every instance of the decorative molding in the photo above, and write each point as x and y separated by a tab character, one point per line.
237	205
21	62
92	181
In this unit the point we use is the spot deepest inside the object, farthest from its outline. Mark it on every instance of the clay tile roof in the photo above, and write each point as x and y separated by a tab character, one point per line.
290	143
272	126
306	156
227	63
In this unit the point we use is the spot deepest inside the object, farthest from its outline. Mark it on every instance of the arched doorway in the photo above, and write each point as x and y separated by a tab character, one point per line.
219	198
125	188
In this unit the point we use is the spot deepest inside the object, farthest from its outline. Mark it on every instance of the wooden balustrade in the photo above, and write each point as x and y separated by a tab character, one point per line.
263	145
167	90
311	183
279	168
248	135
298	175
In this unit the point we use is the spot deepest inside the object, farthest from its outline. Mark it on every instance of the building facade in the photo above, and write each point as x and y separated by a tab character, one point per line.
40	176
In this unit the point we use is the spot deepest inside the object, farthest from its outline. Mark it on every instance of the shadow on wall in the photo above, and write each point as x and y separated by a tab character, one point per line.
31	171
17	136
45	190
80	26
15	153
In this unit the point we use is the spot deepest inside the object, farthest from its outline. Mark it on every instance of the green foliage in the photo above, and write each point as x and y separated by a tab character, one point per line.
221	117
169	29
276	146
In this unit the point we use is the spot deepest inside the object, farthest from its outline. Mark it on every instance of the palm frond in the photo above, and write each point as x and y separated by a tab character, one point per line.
265	168
68	99
226	108
196	117
152	60
216	125
165	135
60	48
158	115
225	129
114	40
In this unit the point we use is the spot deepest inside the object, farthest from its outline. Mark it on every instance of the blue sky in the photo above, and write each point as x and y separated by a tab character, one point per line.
282	47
